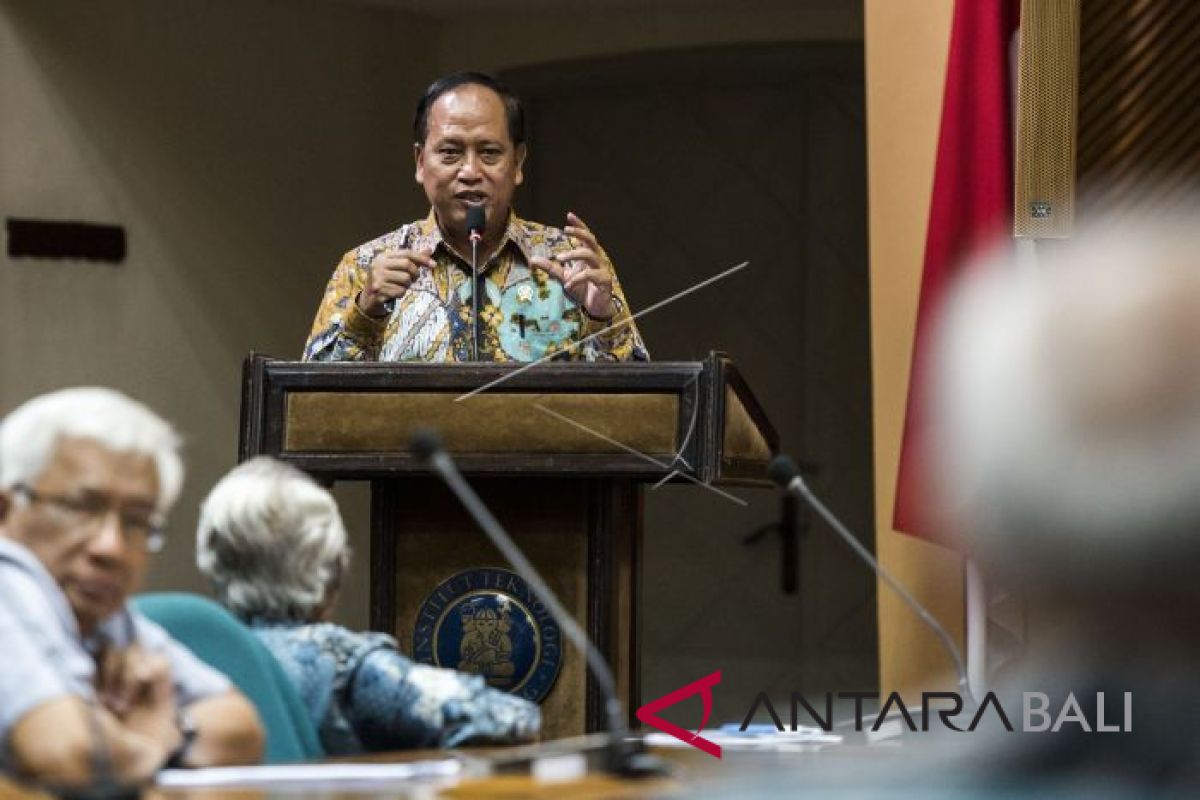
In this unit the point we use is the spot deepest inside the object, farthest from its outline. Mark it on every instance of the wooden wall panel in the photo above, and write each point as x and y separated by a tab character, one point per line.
1139	102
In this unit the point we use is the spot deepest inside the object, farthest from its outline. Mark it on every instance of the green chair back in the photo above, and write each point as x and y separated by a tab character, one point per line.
224	643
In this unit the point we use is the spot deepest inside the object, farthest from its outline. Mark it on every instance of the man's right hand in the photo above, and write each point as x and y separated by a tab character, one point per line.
136	687
392	271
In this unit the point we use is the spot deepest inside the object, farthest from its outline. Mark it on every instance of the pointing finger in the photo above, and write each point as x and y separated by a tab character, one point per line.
574	221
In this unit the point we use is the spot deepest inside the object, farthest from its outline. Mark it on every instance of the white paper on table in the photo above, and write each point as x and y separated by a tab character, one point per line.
800	739
312	775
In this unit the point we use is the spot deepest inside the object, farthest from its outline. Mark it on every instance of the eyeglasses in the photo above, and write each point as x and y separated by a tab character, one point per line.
141	528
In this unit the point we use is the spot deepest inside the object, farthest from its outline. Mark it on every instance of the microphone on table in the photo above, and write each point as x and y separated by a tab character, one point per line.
625	756
476	223
786	475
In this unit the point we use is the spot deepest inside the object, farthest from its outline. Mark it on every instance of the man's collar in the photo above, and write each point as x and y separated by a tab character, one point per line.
23	558
12	550
429	235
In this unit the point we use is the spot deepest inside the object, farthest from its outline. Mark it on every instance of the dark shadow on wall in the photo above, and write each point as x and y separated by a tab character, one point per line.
685	163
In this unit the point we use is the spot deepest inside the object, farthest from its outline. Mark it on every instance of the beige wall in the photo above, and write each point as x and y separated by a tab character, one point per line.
243	145
906	49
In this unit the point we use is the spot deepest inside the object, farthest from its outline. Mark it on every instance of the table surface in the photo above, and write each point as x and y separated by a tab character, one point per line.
691	771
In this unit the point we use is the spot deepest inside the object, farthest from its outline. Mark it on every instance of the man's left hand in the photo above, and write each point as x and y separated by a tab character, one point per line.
127	675
583	272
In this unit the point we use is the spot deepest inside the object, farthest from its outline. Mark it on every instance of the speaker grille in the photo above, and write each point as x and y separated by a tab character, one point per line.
1047	91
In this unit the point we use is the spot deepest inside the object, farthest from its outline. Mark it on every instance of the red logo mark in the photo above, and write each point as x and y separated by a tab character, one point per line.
703	687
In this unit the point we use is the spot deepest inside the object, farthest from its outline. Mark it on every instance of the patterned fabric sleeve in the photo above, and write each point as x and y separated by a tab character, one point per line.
341	331
393	704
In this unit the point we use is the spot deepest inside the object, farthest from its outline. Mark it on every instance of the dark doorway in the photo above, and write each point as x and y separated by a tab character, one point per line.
684	164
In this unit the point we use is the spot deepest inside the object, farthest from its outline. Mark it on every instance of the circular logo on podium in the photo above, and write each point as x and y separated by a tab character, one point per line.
489	622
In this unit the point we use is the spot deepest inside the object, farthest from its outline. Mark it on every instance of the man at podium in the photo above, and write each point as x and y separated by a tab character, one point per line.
413	295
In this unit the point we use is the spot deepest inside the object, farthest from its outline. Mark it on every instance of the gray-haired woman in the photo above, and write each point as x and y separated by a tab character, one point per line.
272	543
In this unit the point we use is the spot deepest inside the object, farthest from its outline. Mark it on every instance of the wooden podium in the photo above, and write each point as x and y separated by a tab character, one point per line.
558	452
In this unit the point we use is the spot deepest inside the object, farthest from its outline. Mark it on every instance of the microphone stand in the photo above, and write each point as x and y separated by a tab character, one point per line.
792	527
476	224
625	756
475	237
786	475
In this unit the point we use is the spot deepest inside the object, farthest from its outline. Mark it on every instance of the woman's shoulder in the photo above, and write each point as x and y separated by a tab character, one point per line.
324	640
341	637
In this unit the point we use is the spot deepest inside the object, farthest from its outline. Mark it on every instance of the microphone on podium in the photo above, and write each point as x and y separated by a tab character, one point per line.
476	222
786	475
626	755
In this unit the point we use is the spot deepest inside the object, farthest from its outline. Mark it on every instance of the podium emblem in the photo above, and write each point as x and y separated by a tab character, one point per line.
489	622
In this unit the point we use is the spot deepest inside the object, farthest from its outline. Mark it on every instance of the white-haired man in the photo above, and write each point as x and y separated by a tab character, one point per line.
89	690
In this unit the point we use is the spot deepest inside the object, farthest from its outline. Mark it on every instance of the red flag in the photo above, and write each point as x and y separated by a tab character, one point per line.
971	207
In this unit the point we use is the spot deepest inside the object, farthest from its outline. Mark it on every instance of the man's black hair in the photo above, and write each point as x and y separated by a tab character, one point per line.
513	110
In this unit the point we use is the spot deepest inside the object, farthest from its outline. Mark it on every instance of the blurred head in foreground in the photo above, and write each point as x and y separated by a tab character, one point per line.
1069	413
1068	447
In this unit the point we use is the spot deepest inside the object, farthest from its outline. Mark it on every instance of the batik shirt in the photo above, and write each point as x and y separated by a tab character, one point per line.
524	314
363	695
